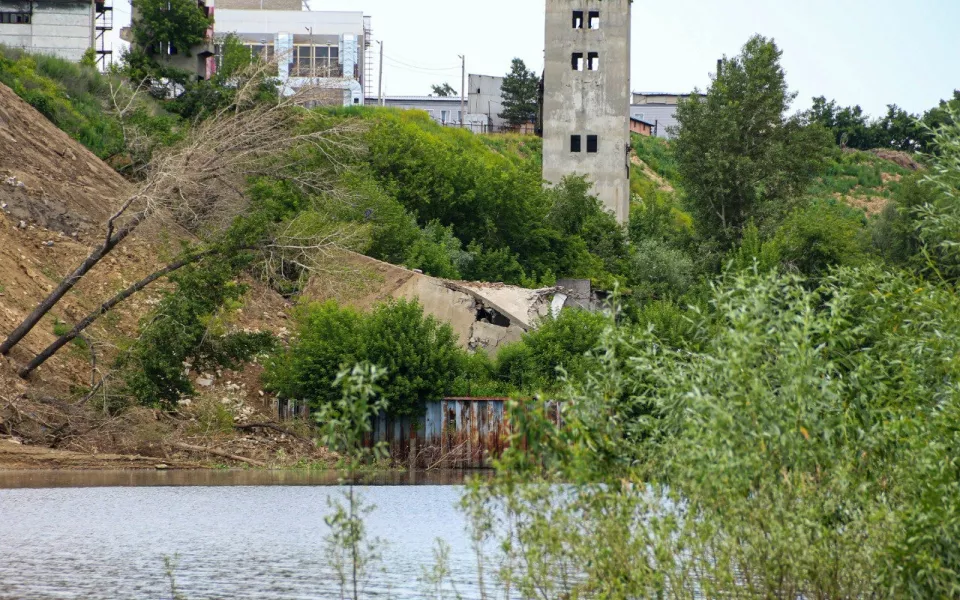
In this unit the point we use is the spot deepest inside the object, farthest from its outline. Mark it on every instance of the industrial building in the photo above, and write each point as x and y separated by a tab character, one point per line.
62	28
658	109
486	98
586	97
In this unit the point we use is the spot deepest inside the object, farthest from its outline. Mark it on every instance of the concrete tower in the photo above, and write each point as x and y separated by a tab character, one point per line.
586	97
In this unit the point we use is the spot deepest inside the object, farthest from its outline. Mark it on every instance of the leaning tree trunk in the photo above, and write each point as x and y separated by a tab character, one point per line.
66	338
112	239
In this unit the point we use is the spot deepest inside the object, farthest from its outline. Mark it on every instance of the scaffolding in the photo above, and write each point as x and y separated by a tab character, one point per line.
103	22
367	81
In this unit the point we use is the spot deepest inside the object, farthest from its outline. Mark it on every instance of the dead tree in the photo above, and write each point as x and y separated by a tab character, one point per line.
198	184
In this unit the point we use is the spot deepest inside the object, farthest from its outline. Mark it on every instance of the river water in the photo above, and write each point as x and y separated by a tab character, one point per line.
253	534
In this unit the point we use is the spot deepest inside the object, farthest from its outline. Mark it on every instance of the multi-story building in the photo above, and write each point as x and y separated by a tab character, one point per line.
586	97
63	28
327	49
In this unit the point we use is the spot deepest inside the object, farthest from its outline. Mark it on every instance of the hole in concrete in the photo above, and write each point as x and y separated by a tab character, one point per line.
594	19
574	143
576	61
593	61
592	143
490	315
578	19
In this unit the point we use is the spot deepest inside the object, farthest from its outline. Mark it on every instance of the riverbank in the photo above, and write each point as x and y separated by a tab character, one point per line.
15	456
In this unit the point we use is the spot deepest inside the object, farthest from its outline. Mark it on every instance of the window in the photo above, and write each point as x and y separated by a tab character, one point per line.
594	19
591	143
593	61
578	19
443	116
575	143
576	61
14	18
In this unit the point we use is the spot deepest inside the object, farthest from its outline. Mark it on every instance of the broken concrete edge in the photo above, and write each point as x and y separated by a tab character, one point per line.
523	322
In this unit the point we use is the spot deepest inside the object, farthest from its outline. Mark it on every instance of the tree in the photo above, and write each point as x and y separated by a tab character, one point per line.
173	26
519	93
738	154
419	354
444	90
195	185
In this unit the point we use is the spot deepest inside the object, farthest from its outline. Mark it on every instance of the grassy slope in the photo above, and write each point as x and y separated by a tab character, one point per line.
860	179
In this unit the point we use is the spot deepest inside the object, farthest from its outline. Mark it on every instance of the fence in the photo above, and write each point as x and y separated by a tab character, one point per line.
454	433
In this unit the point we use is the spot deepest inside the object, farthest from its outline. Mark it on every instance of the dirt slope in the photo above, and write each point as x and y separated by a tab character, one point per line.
64	186
54	197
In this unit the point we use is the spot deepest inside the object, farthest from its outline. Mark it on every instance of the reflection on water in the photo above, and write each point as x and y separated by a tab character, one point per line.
247	534
55	479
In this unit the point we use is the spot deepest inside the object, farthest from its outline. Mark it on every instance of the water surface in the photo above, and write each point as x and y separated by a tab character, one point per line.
247	534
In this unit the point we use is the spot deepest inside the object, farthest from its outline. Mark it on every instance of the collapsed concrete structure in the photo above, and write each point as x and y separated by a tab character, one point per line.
484	316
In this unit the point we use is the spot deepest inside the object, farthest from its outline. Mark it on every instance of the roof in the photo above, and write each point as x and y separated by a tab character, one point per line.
641	121
417	99
665	94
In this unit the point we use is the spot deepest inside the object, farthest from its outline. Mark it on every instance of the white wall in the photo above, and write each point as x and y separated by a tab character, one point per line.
63	29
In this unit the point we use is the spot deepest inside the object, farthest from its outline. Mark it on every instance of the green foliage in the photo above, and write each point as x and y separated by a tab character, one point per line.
344	425
187	327
754	253
558	343
437	252
939	221
660	271
164	24
420	355
458	185
71	96
738	154
819	236
805	448
444	90
418	352
658	155
520	94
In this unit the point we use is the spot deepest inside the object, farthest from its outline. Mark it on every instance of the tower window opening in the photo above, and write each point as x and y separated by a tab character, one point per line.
576	61
578	19
593	61
594	19
592	143
575	143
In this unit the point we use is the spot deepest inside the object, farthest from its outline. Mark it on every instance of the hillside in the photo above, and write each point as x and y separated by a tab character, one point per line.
55	195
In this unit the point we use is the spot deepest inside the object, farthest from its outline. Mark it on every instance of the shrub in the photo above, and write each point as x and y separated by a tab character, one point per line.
187	327
659	271
821	235
420	355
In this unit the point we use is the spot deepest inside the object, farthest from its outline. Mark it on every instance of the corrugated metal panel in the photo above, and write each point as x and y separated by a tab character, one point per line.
661	115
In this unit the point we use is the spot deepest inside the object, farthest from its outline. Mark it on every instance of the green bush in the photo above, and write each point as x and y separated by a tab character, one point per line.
659	271
420	355
187	326
821	235
807	448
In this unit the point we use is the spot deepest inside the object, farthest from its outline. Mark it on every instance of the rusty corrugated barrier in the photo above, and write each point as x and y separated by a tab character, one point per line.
457	433
454	433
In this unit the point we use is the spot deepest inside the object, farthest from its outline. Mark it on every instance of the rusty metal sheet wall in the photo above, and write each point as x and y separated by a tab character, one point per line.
457	433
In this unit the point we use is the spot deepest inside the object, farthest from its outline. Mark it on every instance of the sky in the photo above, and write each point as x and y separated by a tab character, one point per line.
867	52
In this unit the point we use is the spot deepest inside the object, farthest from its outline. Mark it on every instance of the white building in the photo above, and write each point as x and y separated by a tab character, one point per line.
323	48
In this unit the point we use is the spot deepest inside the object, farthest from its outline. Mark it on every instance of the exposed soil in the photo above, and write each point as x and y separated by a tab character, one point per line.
15	455
652	175
54	198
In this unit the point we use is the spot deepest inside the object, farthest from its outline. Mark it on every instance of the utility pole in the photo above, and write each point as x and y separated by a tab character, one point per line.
463	86
380	88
